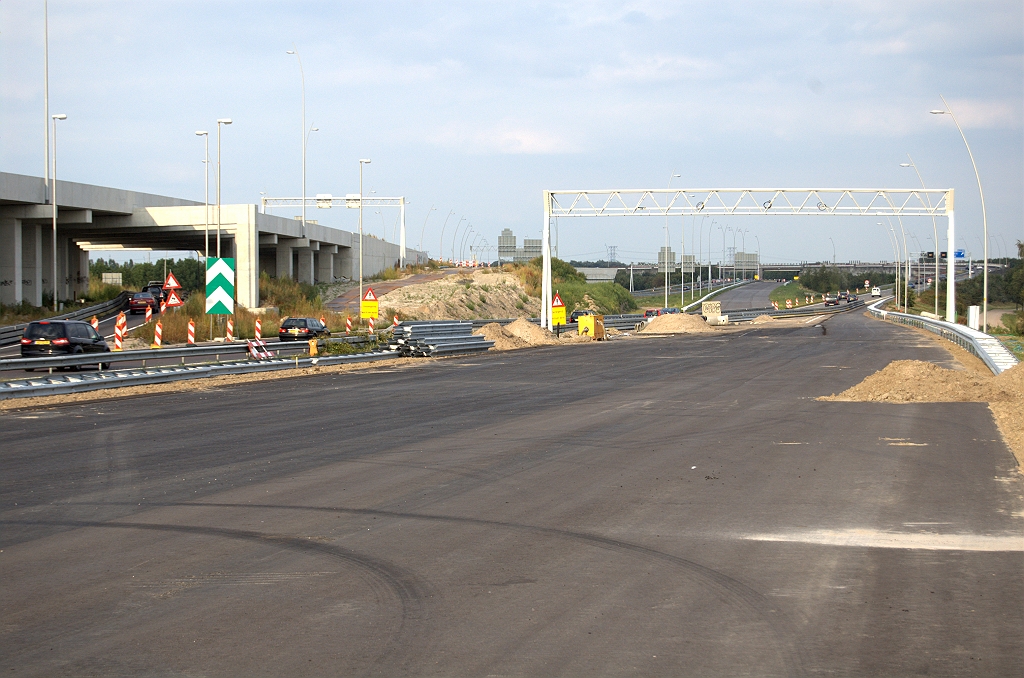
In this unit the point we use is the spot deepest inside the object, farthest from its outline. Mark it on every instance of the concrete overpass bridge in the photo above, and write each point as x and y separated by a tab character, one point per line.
100	218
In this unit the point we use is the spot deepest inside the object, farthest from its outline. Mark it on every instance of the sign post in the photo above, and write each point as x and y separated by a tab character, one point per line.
369	307
557	310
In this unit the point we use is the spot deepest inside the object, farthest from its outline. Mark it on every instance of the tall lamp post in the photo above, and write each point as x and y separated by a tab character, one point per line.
206	186
951	274
363	161
896	259
758	257
53	200
440	244
455	236
220	122
935	231
833	251
424	231
304	136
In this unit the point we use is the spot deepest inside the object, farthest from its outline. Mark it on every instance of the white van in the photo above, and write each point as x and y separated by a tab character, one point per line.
876	292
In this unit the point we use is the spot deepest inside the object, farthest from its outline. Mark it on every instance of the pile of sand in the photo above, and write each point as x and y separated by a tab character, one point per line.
503	340
915	381
612	332
677	323
463	296
763	319
532	334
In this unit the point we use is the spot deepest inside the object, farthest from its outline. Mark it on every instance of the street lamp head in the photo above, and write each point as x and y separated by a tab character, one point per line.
291	51
938	112
365	161
59	116
905	164
314	129
223	121
201	133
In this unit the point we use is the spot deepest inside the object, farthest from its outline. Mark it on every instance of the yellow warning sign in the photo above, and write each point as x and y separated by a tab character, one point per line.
557	310
369	307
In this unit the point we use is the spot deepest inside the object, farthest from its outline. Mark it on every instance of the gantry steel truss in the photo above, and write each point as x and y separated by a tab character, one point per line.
661	202
351	200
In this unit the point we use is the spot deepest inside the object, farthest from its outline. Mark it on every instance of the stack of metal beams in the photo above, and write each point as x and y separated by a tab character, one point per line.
431	339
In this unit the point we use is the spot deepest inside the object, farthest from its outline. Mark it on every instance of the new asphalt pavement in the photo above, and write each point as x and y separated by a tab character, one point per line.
660	506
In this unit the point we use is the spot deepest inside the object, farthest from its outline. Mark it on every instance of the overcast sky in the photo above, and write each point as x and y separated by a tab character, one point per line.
477	107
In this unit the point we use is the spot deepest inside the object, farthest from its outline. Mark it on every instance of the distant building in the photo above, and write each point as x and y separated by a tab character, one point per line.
531	249
506	245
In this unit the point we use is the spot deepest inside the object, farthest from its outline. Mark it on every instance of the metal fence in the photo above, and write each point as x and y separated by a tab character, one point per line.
989	349
11	334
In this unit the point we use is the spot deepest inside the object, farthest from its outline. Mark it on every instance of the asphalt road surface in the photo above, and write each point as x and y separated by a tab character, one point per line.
752	295
662	506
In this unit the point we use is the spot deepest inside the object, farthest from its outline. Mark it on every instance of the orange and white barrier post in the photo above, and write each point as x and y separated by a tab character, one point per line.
95	322
323	320
163	306
149	313
191	332
231	331
118	337
371	325
259	329
348	325
789	303
775	305
395	324
158	335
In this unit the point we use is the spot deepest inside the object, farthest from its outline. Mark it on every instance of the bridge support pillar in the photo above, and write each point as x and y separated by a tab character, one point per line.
32	263
305	272
284	260
325	263
11	272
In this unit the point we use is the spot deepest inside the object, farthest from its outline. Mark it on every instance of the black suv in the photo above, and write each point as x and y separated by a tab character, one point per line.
46	338
302	328
575	316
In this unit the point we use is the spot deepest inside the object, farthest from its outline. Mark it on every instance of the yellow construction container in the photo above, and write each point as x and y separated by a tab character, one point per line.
591	325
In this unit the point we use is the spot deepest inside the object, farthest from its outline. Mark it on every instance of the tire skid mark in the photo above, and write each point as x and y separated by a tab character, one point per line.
783	631
406	644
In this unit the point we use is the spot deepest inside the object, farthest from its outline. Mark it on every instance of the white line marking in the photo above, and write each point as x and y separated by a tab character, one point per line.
895	540
817	317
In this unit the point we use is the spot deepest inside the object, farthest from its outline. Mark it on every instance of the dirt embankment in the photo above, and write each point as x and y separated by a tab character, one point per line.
465	296
915	381
523	333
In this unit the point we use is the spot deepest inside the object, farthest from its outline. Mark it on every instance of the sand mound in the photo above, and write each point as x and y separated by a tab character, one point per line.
532	334
915	381
763	319
503	341
463	296
677	323
612	332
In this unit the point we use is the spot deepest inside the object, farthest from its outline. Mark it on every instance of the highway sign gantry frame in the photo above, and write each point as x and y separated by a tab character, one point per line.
896	202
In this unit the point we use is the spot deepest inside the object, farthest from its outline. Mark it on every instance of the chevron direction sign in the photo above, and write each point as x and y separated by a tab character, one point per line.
220	286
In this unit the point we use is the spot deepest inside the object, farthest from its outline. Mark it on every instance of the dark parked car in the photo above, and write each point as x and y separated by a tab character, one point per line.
831	300
156	288
651	312
851	298
45	338
575	316
667	311
302	328
139	302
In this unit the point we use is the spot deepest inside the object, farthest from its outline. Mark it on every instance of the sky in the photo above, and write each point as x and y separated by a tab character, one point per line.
474	108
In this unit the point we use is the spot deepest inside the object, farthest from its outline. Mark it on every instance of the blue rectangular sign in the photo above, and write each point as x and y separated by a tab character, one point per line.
959	254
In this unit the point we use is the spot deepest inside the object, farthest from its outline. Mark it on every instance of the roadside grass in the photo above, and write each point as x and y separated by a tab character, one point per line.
792	290
573	288
14	314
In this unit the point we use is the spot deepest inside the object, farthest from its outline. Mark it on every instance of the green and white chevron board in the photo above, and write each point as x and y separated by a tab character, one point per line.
220	286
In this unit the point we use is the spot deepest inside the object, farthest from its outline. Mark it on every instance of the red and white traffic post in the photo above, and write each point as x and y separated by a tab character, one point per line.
191	332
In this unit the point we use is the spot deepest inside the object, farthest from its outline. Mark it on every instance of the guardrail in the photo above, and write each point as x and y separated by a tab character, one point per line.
990	350
142	355
11	334
45	385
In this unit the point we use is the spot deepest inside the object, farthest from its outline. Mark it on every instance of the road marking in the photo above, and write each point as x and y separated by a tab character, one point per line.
868	538
817	317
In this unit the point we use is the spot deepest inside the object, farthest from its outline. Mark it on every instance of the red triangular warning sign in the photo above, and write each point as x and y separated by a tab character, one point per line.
369	296
174	300
171	283
557	301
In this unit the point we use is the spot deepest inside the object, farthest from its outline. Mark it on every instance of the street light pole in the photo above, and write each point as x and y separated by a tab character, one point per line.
363	161
440	244
424	231
935	231
220	121
455	236
758	257
206	186
893	244
833	251
303	137
46	100
951	263
53	199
